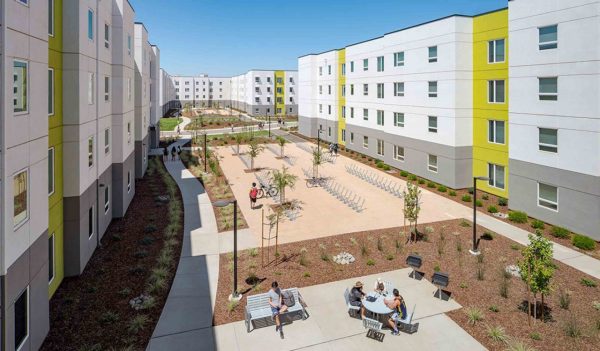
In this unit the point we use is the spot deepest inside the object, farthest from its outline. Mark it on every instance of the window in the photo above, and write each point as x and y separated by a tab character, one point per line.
351	138
496	176
548	196
366	142
21	318
433	124
128	132
380	118
328	131
320	108
50	91
496	132
129	49
51	263
548	37
51	17
20	82
365	114
399	89
380	92
106	199
343	134
107	140
106	88
279	81
329	69
351	89
496	51
128	182
329	109
433	54
365	89
343	111
399	59
380	147
320	71
366	64
256	80
343	69
257	100
432	163
496	91
548	139
329	89
433	89
548	88
351	66
91	90
51	168
91	222
20	197
106	35
398	119
343	90
398	153
351	112
90	151
90	24
380	64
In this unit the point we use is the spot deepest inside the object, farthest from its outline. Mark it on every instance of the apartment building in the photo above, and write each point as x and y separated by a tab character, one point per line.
24	183
155	108
554	112
265	92
142	99
405	98
203	91
166	97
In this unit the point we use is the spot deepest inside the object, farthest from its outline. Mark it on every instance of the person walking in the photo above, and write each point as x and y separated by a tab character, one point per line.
165	154
178	130
173	152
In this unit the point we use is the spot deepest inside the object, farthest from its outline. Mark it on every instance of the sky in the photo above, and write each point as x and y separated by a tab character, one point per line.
230	37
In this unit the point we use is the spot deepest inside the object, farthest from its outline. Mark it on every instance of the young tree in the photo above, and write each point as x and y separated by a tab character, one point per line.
254	149
239	139
281	142
412	207
282	180
317	161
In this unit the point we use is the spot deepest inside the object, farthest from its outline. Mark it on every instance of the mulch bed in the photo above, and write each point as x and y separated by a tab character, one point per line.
114	276
454	259
486	199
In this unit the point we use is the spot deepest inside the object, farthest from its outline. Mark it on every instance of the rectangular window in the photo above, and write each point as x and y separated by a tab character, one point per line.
106	35
90	24
343	111
128	132
51	17
548	88
106	88
343	134
496	175
320	72
380	64
50	91
398	153
433	54
51	263
351	112
496	51
329	89
365	89
90	151
433	124
365	114
106	199
548	139
320	90
351	89
380	91
21	318
366	142
496	91
20	197
91	222
432	165
320	108
399	59
20	86
548	37
351	138
329	109
129	49
399	89
343	90
380	147
91	90
351	66
51	168
365	64
329	69
548	196
433	89
496	132
343	69
328	131
107	140
380	118
398	119
128	182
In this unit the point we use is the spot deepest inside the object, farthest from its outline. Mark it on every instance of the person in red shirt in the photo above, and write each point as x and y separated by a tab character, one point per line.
253	195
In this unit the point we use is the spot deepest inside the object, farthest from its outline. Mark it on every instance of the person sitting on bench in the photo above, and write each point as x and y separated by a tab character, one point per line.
356	297
277	306
397	304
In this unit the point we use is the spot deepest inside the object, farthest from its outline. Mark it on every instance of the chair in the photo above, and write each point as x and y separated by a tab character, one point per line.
353	311
440	280
405	324
369	323
389	287
415	262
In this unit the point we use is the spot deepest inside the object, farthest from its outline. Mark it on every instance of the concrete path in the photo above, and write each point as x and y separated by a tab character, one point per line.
274	126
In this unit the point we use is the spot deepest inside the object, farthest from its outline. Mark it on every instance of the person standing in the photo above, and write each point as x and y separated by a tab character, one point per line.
253	195
277	306
173	152
165	154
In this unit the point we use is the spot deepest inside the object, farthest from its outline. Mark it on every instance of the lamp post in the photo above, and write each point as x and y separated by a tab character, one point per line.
205	152
224	203
475	249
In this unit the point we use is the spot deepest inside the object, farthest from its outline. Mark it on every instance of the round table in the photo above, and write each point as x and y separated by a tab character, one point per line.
378	306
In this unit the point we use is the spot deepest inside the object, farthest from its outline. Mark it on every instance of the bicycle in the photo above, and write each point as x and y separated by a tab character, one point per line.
268	190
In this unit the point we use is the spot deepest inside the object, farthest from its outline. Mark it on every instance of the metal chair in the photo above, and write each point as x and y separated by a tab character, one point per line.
440	280
415	262
352	310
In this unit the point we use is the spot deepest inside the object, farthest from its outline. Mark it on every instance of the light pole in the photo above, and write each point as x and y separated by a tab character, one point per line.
205	152
475	249
224	203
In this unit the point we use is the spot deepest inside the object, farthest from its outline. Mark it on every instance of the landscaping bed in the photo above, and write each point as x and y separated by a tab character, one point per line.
139	255
216	122
445	249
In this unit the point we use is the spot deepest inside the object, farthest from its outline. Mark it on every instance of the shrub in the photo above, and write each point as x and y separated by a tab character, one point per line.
108	317
497	333
480	272
389	257
379	165
517	345
465	223
535	336
306	275
379	244
370	262
386	167
303	261
596	305
478	203
517	216
470	190
487	236
430	184
583	242
564	299
231	305
140	254
149	302
437	268
452	193
404	174
463	285
147	240
150	228
138	323
502	201
466	198
504	284
253	252
125	292
485	197
560	232
474	315
442	189
363	248
412	177
588	282
494	308
515	247
137	270
537	224
492	209
572	327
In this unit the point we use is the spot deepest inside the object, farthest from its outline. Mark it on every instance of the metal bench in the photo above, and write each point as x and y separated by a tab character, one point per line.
258	308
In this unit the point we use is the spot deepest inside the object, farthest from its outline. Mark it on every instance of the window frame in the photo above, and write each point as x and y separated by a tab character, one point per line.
107	88
432	129
51	21
493	129
52	151
380	147
381	118
380	63
23	220
107	32
397	61
128	182
539	199
493	180
544	145
91	88
107	137
430	167
380	90
51	90
397	91
25	91
494	48
397	122
397	156
91	222
432	59
365	114
547	45
91	151
52	263
90	29
493	85
365	142
365	89
20	345
106	199
431	93
365	65
547	96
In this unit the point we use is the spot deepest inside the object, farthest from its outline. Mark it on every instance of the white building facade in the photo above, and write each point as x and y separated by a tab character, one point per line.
265	92
143	51
167	100
203	91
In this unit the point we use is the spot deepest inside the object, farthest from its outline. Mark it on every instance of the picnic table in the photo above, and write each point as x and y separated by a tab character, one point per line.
378	306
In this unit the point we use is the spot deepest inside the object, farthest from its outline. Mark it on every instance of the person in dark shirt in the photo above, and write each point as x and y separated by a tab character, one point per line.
356	297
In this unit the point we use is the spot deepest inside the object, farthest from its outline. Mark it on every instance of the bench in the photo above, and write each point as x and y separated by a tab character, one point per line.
258	308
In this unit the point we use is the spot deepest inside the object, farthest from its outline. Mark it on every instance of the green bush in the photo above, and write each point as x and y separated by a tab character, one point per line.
560	232
452	193
370	262
492	209
537	224
502	201
421	181
470	190
412	177
487	236
404	174
386	167
478	203
588	282
517	217
430	184
485	197
466	198
442	189
583	242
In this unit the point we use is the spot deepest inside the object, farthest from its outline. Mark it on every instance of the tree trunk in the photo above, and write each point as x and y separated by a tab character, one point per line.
251	163
542	316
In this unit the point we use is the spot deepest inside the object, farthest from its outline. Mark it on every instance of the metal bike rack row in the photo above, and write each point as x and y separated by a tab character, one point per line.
371	177
345	195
